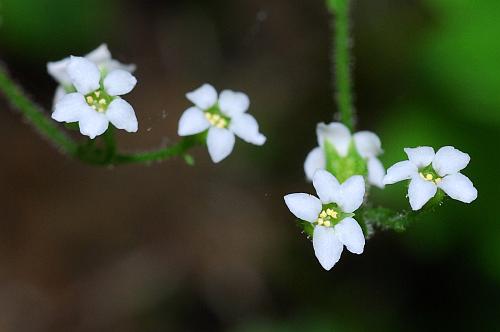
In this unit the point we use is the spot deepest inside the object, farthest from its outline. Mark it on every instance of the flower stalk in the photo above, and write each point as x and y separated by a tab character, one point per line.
341	64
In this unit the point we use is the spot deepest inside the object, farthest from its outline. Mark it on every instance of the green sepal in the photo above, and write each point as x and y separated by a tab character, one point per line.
344	167
306	227
72	126
189	159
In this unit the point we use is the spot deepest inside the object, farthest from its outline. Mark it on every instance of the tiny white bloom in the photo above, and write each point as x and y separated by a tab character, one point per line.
96	101
101	57
367	144
428	171
331	215
224	116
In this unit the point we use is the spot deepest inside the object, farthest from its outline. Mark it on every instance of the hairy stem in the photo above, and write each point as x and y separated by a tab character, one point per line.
178	149
35	116
341	60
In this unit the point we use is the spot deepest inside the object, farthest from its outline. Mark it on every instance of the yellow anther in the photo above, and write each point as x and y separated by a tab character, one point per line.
221	123
334	215
208	115
216	117
428	177
438	180
320	221
94	107
101	109
323	214
327	223
90	100
97	93
102	101
329	212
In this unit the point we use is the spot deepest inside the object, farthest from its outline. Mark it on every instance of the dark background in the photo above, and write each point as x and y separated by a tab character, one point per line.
169	247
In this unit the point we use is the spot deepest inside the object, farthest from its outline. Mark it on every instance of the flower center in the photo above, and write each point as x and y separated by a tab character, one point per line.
98	100
328	217
216	118
429	174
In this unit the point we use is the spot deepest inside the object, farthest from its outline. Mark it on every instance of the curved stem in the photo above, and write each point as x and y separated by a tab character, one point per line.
178	149
33	114
341	60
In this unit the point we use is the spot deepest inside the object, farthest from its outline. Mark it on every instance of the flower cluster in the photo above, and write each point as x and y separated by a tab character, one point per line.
343	156
222	116
90	90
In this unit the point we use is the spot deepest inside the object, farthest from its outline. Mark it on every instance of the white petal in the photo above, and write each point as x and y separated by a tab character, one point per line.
337	134
421	156
70	107
400	171
246	127
93	123
84	75
420	192
233	103
326	185
352	192
303	206
60	92
58	70
121	114
100	55
192	121
220	143
351	235
458	187
315	160
327	247
119	82
367	143
204	97
376	172
449	160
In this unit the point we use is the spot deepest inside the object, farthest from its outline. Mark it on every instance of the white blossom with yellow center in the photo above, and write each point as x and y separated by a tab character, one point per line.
101	57
95	105
332	231
224	116
429	171
367	144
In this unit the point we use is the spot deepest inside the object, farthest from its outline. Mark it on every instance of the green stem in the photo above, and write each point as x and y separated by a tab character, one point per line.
178	149
33	114
341	60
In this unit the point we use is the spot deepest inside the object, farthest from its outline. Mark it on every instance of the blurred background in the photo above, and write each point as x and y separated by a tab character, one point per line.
168	247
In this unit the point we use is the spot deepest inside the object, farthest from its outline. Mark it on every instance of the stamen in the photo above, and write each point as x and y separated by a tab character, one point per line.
97	93
102	101
327	223
90	100
428	177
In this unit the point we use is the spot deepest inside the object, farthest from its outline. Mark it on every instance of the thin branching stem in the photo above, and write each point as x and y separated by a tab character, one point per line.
35	115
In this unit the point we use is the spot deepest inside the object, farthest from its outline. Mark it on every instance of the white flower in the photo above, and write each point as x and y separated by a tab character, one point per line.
331	215
101	56
429	171
367	144
96	102
224	116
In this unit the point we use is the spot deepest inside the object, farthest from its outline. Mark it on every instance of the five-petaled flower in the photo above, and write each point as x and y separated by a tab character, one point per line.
428	171
96	101
224	116
102	58
331	215
367	144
